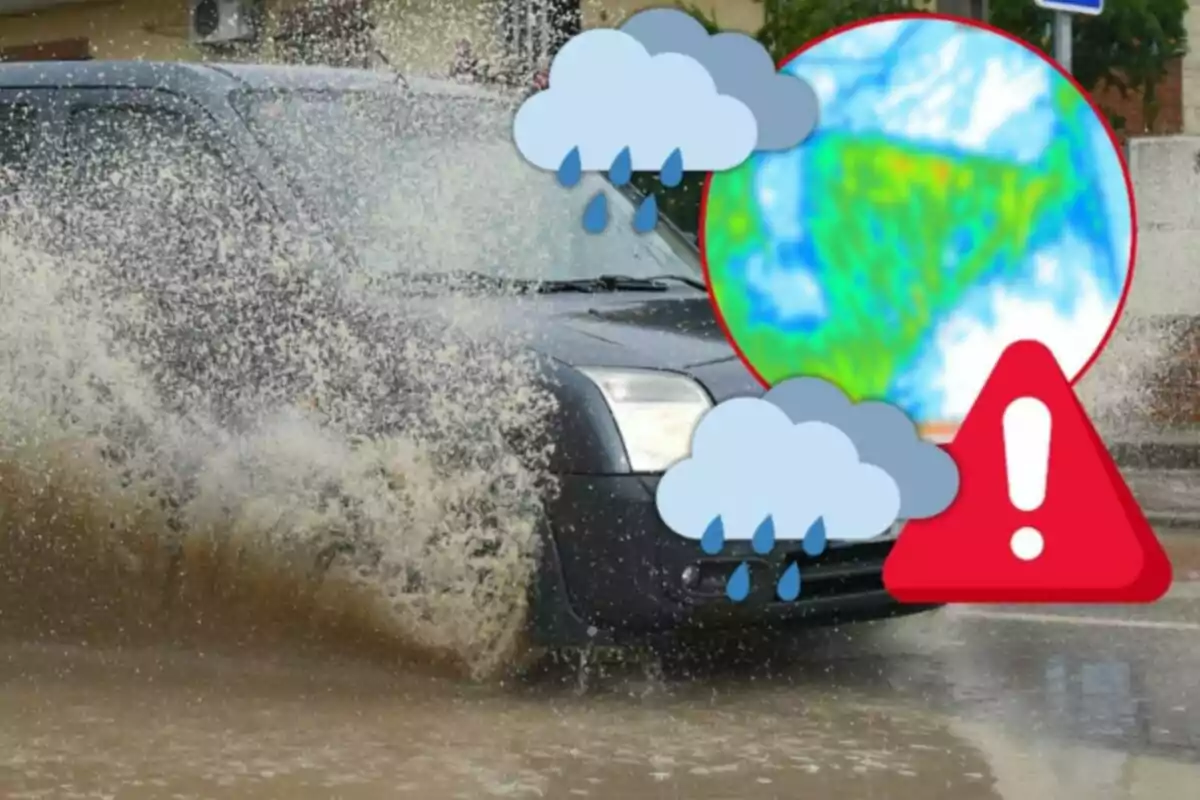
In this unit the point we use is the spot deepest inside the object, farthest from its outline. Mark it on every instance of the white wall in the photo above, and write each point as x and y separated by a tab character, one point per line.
1166	173
1166	280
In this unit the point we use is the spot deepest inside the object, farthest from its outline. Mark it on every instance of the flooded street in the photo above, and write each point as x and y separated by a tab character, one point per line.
308	380
964	703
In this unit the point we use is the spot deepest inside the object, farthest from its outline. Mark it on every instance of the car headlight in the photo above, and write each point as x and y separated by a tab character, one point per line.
656	413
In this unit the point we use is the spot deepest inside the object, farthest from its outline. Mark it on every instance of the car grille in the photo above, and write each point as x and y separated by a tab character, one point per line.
840	571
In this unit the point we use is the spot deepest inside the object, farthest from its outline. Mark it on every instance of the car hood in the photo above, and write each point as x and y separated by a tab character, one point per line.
674	331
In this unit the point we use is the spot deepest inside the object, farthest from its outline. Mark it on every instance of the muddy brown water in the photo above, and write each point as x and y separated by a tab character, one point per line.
940	706
133	671
128	673
165	722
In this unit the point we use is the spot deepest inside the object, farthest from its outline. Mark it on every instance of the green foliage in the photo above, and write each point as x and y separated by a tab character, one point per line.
1128	47
789	24
681	204
892	210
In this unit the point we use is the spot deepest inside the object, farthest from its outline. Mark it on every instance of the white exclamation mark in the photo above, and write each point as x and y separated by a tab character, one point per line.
1027	462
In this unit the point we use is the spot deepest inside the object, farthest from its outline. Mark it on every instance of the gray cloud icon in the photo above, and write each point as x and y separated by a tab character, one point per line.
884	435
785	106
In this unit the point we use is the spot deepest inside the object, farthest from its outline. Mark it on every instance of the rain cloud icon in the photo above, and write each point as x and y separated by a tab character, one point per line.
802	463
659	94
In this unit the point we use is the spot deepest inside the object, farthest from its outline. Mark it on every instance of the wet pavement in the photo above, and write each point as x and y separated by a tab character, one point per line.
966	703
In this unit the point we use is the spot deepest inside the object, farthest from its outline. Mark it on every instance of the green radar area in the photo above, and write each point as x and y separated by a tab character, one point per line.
919	227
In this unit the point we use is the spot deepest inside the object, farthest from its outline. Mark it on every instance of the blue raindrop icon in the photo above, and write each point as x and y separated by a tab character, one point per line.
672	169
646	216
713	539
788	588
815	541
621	170
571	169
595	216
738	585
763	541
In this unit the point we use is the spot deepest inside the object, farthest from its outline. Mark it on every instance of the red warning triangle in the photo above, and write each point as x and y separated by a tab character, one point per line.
1097	546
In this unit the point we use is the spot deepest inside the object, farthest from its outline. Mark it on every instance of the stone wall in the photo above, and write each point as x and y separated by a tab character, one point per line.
1150	374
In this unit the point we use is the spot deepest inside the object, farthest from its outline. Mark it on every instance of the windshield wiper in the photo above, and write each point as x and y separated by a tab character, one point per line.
687	280
486	281
617	283
482	281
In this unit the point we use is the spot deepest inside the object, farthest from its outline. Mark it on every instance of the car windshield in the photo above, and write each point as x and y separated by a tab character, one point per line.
431	183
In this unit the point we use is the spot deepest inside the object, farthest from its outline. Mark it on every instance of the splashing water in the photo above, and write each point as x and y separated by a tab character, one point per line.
571	170
712	541
595	215
207	430
646	216
621	171
788	588
737	588
671	174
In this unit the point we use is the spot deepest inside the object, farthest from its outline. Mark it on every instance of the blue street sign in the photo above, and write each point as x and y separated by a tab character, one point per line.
1089	7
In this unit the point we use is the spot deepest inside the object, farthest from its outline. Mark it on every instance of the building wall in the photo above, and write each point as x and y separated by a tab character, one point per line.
419	34
146	29
734	15
1170	99
1163	311
1190	72
424	30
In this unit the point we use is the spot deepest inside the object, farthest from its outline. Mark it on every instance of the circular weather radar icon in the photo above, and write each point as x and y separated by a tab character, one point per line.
958	194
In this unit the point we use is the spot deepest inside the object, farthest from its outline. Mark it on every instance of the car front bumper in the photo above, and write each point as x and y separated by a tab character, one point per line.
613	573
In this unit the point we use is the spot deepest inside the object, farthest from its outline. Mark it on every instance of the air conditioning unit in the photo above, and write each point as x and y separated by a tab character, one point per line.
219	21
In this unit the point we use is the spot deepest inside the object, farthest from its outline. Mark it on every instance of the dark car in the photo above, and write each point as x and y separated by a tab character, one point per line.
622	320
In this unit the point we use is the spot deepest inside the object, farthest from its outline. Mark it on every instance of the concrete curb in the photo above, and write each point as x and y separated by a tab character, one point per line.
1169	498
1168	519
1170	455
